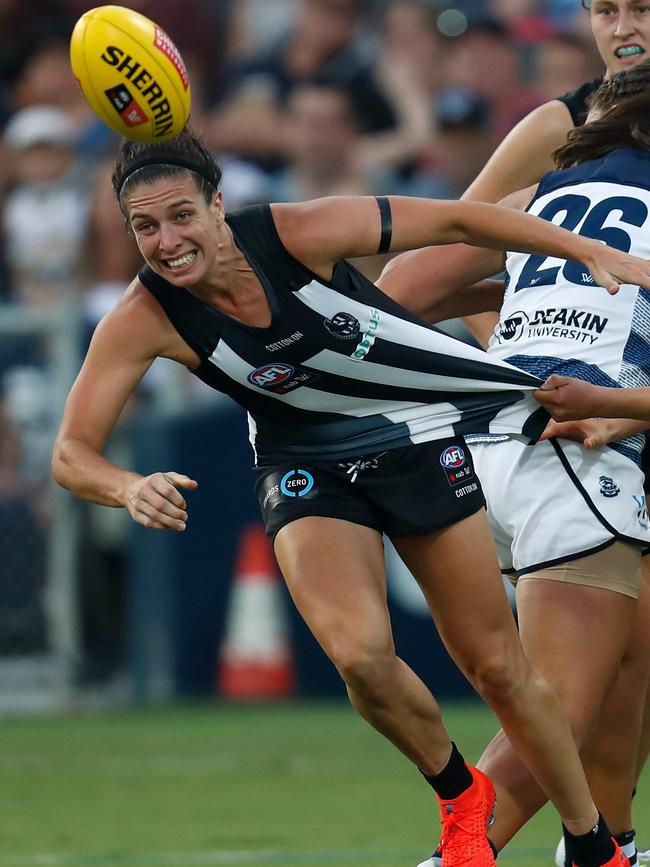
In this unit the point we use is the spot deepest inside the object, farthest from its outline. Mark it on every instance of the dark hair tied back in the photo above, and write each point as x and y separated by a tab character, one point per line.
146	162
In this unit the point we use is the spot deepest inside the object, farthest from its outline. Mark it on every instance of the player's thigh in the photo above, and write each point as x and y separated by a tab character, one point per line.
458	572
576	636
335	572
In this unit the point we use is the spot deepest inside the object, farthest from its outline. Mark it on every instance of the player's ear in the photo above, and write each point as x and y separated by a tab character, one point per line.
217	204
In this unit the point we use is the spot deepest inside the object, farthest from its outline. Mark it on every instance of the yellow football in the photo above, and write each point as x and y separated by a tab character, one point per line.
131	73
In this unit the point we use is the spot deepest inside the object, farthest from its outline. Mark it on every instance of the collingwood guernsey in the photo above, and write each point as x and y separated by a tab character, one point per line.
342	370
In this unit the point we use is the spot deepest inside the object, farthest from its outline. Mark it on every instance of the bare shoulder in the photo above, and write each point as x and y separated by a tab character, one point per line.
139	326
525	154
321	230
552	117
520	199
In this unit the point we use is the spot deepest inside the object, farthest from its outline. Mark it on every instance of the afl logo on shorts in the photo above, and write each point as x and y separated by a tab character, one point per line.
270	375
345	326
296	483
452	458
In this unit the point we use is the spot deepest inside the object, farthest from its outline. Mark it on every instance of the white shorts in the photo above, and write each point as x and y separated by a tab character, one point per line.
556	501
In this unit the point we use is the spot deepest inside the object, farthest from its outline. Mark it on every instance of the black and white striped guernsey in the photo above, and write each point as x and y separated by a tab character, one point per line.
342	370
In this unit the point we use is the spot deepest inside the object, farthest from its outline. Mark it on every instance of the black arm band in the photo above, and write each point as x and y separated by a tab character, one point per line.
386	224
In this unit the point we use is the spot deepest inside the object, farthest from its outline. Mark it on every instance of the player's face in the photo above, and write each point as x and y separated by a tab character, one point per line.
621	29
175	229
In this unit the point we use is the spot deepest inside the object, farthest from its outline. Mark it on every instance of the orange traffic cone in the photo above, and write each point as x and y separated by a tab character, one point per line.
255	660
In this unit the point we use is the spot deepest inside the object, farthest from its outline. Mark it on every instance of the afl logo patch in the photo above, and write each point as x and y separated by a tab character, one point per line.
345	326
452	458
270	375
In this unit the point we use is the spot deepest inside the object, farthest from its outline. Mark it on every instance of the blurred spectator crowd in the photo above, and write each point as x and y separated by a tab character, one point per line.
296	98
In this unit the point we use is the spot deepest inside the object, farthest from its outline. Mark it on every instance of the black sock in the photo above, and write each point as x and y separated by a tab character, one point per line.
625	837
453	779
591	849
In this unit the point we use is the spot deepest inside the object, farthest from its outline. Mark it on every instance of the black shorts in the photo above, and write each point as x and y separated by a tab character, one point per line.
403	492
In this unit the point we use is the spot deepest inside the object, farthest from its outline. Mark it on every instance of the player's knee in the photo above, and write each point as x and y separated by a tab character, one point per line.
363	666
500	674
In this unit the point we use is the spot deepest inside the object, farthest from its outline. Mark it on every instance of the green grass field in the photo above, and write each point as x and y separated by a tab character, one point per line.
297	784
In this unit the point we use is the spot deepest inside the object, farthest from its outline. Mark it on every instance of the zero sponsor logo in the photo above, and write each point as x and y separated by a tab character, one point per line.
343	325
608	487
296	483
565	323
368	337
455	465
280	378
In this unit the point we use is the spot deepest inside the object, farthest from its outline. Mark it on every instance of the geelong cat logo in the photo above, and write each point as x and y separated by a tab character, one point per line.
512	328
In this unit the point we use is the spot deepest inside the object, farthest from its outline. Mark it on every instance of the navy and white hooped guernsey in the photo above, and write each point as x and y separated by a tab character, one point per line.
342	370
554	320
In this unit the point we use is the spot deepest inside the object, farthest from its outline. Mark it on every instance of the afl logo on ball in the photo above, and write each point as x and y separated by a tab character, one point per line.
270	375
452	458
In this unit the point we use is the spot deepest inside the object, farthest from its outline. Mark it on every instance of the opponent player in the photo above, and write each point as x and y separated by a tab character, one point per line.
577	544
621	31
355	408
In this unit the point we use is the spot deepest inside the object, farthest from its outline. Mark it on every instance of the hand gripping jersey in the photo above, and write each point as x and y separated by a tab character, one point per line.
342	370
555	320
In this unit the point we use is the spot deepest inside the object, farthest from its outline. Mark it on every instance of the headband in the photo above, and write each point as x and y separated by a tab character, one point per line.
163	160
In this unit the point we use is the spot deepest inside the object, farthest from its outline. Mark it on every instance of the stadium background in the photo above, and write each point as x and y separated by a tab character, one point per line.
108	629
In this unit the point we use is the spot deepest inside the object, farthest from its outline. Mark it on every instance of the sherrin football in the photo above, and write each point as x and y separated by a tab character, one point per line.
131	73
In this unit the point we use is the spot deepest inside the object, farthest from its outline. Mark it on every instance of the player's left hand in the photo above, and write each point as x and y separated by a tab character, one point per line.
610	268
570	399
590	432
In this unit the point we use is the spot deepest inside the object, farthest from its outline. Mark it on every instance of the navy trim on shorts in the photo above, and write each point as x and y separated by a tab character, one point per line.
520	573
622	537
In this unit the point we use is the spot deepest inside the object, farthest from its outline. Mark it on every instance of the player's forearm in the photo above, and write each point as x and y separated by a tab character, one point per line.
625	404
88	475
500	228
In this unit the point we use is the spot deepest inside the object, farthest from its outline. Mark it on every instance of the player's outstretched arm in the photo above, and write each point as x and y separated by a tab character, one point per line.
570	399
121	351
321	232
